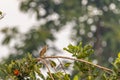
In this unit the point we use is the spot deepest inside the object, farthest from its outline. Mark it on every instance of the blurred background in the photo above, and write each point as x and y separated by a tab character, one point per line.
28	25
14	18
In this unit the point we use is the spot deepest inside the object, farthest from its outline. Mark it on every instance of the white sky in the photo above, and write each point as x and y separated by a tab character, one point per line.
13	17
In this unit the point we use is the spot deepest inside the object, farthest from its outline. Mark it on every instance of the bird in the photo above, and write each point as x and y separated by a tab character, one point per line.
43	51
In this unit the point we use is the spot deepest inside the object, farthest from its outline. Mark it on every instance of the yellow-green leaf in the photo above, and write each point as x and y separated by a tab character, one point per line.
75	77
67	64
119	55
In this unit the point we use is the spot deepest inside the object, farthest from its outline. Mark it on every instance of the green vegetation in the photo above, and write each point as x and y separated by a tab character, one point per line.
95	22
30	68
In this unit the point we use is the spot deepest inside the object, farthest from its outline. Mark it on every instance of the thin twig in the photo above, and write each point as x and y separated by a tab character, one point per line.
80	60
61	65
47	68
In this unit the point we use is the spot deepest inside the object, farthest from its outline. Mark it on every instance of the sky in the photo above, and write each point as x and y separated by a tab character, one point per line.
13	17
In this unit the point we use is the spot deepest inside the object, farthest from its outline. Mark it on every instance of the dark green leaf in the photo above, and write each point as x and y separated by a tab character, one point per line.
52	63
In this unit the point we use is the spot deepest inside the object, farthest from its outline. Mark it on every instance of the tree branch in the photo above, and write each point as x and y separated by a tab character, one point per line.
80	60
47	67
61	65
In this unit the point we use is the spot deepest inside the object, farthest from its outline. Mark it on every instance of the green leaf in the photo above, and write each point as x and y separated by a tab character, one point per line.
75	77
67	64
41	75
119	55
32	76
66	77
70	51
0	12
6	40
104	76
80	45
52	63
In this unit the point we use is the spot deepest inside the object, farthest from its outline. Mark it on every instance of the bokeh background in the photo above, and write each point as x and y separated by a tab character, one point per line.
28	25
13	17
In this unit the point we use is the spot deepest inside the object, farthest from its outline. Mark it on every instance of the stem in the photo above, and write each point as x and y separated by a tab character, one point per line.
61	65
80	60
47	68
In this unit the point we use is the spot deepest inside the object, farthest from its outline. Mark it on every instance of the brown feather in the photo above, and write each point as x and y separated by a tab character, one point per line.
43	51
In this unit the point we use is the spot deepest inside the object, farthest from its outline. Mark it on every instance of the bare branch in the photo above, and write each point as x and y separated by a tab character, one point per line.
61	65
47	67
80	60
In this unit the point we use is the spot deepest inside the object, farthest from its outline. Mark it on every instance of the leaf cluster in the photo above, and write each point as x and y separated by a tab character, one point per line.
26	68
80	51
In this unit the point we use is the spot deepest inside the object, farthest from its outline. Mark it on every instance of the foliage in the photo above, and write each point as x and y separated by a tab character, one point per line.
79	51
30	68
20	69
96	22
